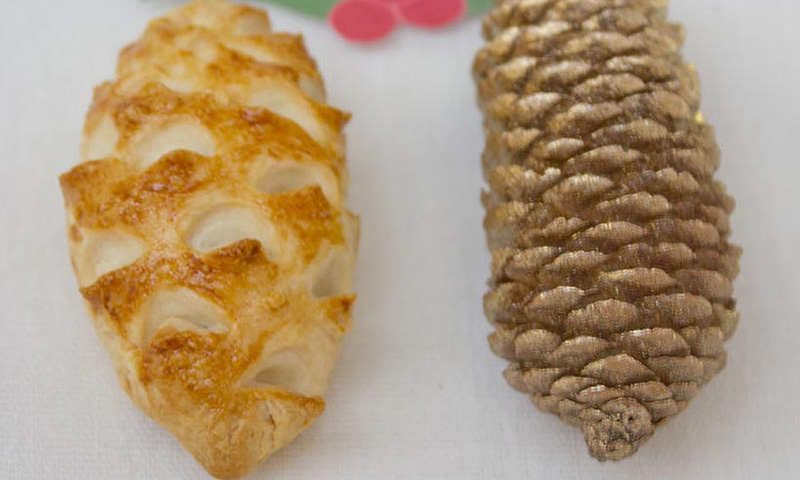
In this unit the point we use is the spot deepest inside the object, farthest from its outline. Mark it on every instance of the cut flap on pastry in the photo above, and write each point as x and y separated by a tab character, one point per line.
284	369
225	225
154	142
283	100
332	277
279	176
297	360
179	309
101	140
102	251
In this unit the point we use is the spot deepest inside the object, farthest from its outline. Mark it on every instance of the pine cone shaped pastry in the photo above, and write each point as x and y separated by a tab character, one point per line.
209	235
610	291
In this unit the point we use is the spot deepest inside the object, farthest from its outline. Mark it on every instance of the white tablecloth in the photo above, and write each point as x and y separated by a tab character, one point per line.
417	393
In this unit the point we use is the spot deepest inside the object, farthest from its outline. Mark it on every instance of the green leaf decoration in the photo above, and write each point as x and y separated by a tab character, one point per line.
320	8
475	7
315	8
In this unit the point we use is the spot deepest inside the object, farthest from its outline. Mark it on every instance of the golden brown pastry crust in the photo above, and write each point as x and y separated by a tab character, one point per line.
208	232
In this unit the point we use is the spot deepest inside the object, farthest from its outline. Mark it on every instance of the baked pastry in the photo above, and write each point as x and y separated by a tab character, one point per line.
611	285
208	231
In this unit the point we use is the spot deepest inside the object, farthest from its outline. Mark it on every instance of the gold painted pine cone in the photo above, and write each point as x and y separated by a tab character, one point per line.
611	279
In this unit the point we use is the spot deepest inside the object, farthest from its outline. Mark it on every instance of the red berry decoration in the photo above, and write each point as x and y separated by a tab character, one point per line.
432	13
363	20
370	20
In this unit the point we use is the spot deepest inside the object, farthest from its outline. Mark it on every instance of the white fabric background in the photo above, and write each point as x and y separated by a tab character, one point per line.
417	393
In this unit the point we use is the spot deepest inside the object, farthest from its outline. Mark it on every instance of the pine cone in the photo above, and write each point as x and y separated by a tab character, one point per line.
611	277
